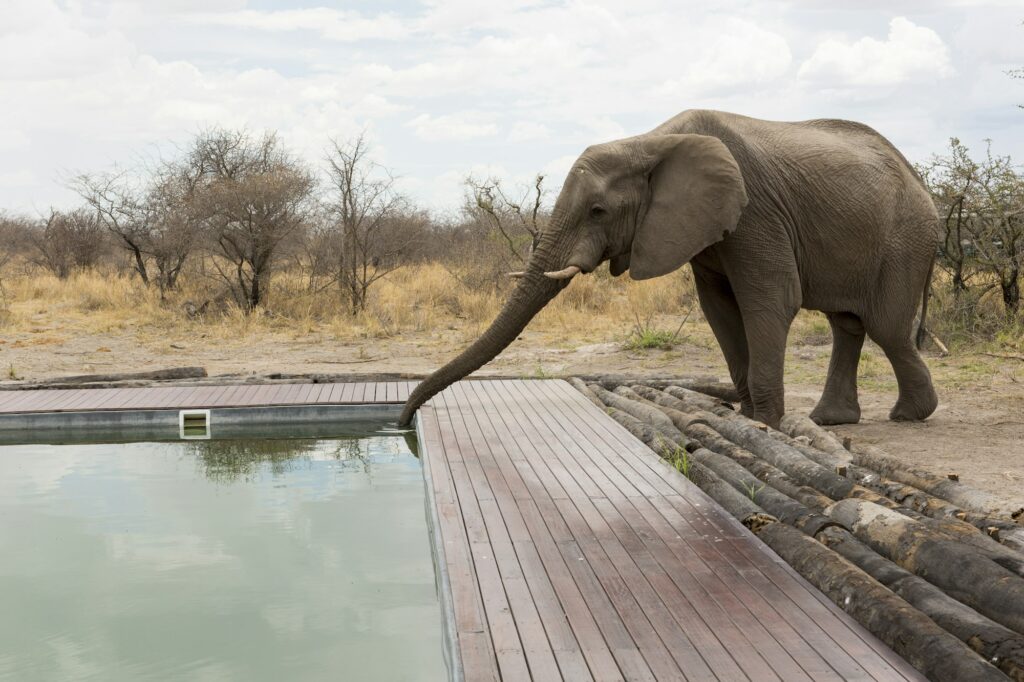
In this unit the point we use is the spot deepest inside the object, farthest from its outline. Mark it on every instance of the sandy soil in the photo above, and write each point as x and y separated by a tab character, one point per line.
977	432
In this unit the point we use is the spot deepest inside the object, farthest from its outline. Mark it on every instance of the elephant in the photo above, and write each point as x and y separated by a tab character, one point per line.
773	217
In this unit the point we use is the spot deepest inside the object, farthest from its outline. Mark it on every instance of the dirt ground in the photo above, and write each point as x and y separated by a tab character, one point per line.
977	431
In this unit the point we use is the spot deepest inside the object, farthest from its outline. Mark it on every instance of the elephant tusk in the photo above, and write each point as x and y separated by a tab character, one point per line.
517	274
567	273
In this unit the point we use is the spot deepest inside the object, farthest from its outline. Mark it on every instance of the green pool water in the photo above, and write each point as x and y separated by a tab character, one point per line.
217	560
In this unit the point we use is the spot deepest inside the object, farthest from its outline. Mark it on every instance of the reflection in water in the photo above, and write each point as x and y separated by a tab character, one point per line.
225	461
219	560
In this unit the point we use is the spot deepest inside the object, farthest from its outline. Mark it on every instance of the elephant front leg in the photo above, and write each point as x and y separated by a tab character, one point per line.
723	315
766	338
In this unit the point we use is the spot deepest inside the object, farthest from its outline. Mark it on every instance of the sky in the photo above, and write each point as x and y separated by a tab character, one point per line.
445	89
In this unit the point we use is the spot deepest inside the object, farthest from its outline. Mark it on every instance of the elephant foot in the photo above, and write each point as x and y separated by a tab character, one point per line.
831	413
915	408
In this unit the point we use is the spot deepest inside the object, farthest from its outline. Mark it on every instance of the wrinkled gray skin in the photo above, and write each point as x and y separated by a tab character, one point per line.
774	217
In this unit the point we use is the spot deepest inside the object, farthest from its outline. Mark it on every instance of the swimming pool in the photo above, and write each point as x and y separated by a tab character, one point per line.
238	559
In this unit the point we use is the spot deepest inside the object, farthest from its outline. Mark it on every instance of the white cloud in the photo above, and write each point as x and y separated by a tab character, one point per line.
17	178
511	84
465	125
909	53
525	131
330	23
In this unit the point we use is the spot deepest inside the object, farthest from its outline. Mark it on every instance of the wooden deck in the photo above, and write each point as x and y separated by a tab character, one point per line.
569	550
197	397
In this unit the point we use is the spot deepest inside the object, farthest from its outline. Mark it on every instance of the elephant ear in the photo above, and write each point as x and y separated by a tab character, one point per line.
696	195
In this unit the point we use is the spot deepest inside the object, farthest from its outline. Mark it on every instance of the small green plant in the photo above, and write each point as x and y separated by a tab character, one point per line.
12	374
644	336
753	490
677	456
541	373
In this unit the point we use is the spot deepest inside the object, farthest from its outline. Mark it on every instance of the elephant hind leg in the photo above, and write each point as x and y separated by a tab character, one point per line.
838	404
917	399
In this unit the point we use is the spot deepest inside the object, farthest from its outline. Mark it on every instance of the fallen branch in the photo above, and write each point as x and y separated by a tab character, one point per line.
151	375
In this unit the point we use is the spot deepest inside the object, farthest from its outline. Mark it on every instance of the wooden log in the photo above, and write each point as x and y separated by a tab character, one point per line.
644	432
815	470
909	632
721	391
735	502
936	514
959	570
796	425
995	643
741	431
641	411
765	496
580	386
672	407
150	375
940	486
678	419
977	529
708	386
612	380
772	476
692	400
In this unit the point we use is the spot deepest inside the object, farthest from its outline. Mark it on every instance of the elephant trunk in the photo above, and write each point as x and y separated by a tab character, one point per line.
532	293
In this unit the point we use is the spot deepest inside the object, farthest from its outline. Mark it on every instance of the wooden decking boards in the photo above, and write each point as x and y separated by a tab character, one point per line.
571	550
196	397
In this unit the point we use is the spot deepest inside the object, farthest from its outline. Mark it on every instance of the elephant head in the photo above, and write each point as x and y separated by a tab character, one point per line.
648	204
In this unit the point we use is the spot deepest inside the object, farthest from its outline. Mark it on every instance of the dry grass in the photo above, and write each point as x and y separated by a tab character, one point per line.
47	324
417	299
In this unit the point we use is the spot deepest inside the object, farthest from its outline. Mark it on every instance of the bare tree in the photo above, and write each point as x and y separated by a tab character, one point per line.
982	206
997	224
68	241
120	206
154	219
516	218
950	180
15	238
254	196
370	217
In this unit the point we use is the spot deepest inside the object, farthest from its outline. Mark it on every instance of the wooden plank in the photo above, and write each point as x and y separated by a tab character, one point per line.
347	394
504	633
603	594
845	664
504	524
661	600
789	626
476	650
246	397
749	603
842	632
320	396
560	603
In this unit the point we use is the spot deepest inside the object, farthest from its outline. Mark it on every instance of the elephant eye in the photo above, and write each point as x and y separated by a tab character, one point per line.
598	211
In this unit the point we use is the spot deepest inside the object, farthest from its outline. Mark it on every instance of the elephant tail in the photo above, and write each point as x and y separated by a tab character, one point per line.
922	330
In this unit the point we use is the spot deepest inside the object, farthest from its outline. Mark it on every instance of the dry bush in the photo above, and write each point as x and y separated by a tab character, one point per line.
973	318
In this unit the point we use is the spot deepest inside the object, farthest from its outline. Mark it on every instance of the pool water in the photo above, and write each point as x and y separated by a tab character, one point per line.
217	560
